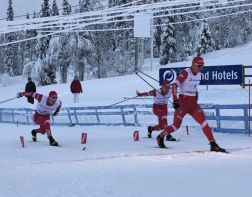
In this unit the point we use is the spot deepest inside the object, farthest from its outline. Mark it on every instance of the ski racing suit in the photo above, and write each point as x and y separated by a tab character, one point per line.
159	106
43	111
188	82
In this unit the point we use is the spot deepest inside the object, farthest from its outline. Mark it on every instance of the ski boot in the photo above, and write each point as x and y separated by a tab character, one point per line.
34	135
215	147
170	138
52	141
160	142
149	132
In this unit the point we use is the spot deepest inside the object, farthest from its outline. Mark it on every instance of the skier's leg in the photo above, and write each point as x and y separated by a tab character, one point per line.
199	116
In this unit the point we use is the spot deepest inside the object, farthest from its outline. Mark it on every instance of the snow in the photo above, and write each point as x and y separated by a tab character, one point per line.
113	164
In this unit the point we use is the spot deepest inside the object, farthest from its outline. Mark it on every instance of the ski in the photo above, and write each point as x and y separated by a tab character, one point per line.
44	143
71	125
163	148
194	151
59	145
177	140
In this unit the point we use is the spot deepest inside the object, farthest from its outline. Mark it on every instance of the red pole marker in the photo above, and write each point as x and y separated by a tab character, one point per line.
187	130
83	138
136	135
22	141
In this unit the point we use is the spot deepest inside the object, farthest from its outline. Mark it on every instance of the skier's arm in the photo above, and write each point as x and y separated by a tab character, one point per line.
32	94
179	80
150	93
57	110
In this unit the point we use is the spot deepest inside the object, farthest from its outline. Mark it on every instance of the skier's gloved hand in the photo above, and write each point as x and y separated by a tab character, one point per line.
175	104
20	94
55	113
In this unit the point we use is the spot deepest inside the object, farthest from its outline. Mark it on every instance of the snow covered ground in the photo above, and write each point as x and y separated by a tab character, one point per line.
112	163
115	165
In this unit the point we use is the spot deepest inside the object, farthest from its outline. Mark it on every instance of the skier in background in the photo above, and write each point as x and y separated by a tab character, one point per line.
186	103
42	113
76	88
30	87
160	108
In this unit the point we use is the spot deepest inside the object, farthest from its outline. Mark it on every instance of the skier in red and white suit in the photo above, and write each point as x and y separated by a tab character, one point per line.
186	103
160	108
46	104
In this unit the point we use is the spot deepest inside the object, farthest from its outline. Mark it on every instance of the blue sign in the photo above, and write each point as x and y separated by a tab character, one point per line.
210	75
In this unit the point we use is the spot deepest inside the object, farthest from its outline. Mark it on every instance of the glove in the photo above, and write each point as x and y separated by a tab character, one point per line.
20	94
55	113
175	104
137	93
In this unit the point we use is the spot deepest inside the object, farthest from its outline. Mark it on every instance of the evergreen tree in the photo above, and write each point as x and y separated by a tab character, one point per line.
82	53
45	11
168	47
10	12
206	42
11	50
44	41
30	53
55	10
123	49
85	5
42	47
157	38
64	47
66	8
2	69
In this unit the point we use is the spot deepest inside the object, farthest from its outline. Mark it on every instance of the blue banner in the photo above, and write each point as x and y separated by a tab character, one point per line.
210	75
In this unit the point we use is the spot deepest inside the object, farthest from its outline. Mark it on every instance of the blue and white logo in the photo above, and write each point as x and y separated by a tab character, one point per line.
169	75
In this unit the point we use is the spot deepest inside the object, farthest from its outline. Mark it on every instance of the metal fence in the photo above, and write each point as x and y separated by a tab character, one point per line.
223	118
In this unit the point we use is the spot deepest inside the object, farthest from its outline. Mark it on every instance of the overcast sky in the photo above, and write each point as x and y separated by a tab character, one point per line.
22	6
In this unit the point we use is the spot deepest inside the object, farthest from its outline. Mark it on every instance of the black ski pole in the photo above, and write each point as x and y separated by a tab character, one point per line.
146	82
147	75
8	100
135	98
121	101
150	85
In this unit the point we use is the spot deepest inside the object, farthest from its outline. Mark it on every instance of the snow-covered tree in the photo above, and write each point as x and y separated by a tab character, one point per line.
82	53
66	8
11	50
10	12
168	46
30	52
85	5
55	10
157	38
205	42
45	10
